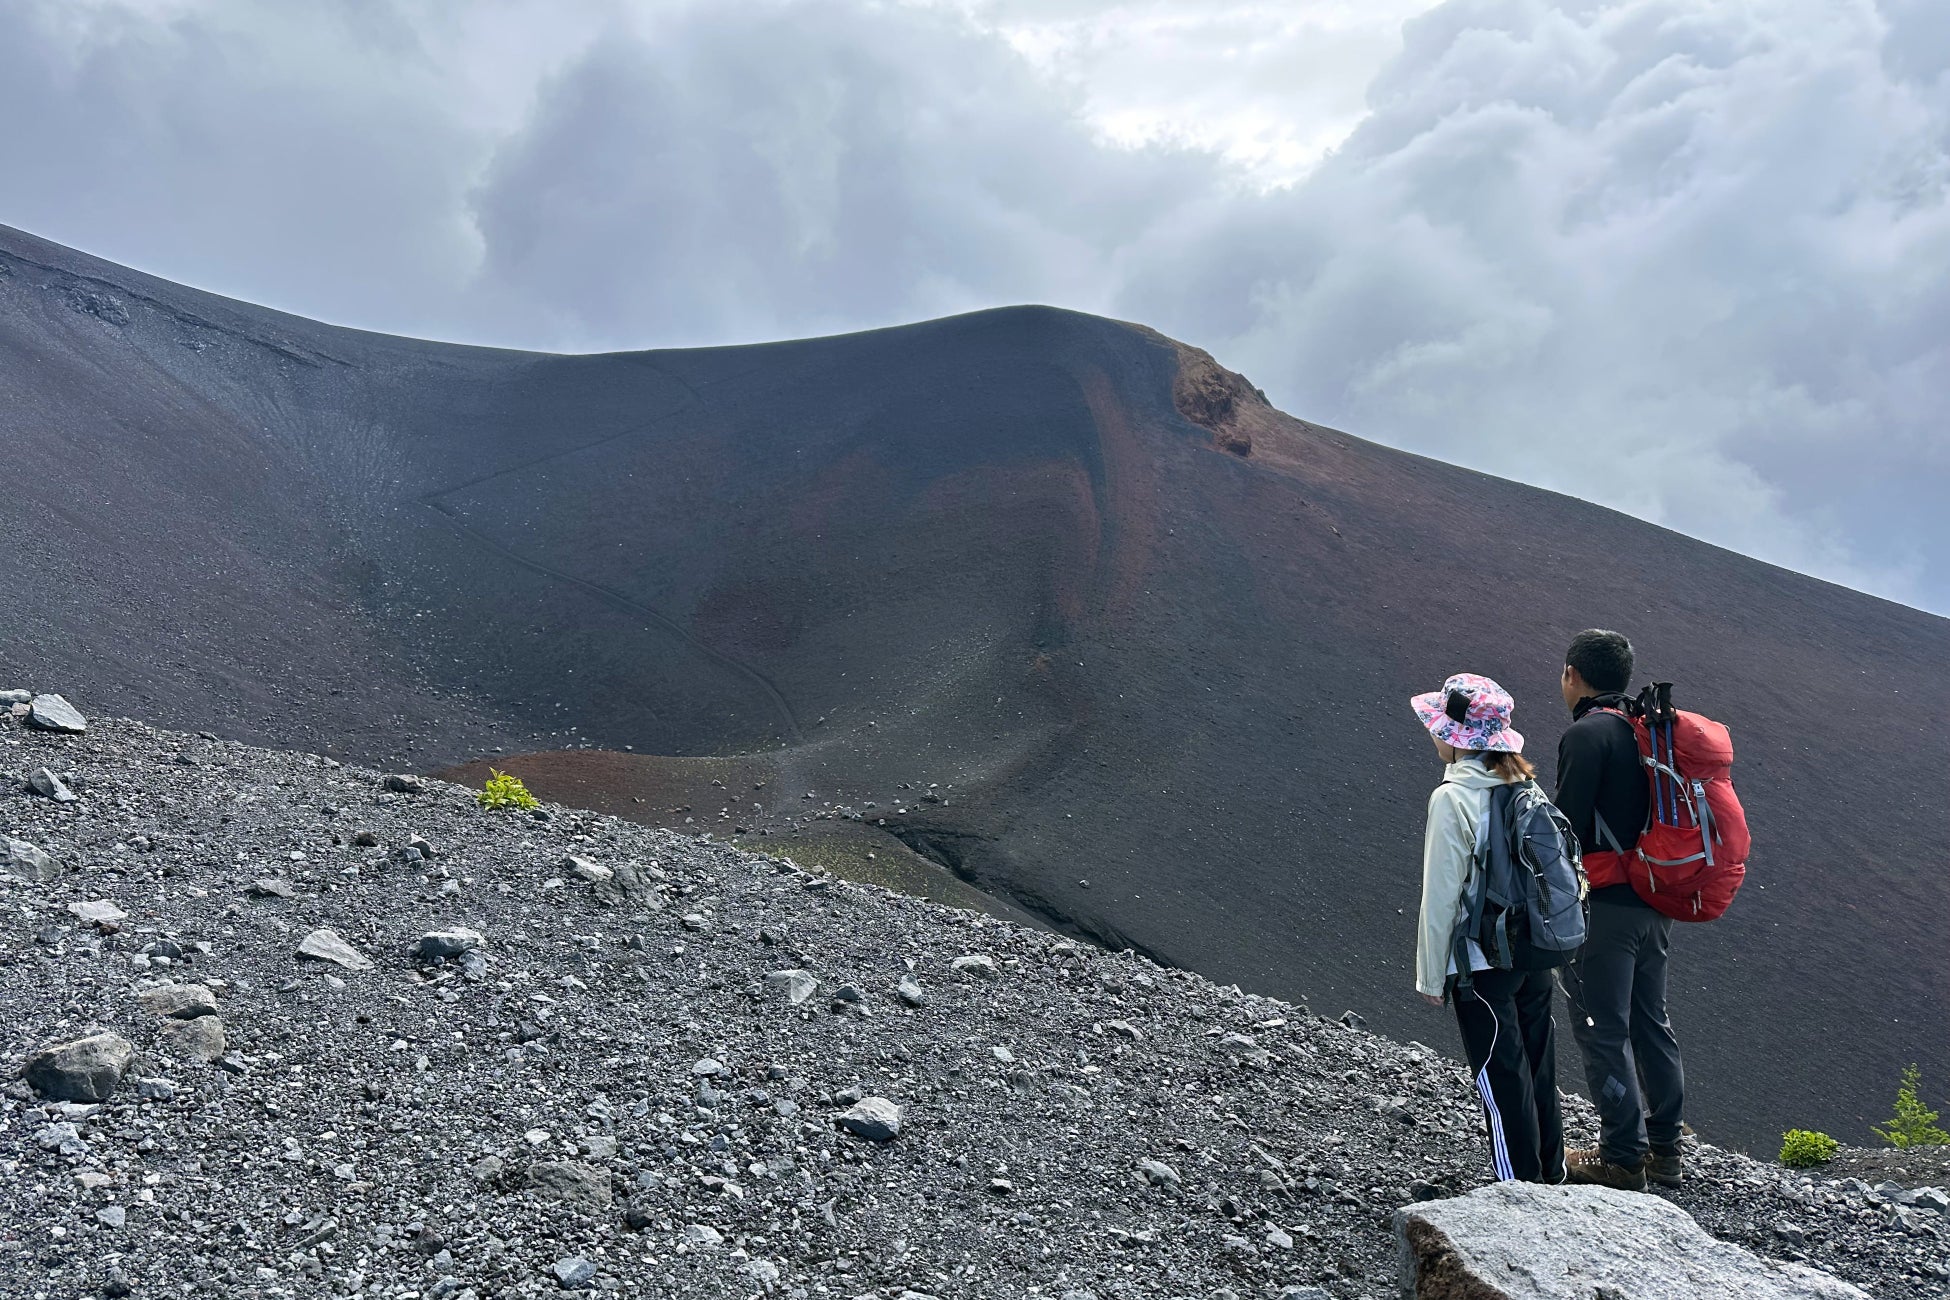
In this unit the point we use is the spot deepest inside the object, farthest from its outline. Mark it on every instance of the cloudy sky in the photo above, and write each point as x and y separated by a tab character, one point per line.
1690	258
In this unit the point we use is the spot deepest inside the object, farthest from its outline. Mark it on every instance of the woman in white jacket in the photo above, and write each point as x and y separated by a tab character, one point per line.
1504	1015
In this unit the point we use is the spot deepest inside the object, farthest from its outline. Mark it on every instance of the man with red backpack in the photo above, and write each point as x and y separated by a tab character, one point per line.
1616	986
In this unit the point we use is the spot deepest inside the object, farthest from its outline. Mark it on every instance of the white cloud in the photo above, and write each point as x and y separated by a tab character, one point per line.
1687	257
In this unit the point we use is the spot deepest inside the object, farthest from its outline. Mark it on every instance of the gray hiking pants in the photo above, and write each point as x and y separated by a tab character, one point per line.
1616	988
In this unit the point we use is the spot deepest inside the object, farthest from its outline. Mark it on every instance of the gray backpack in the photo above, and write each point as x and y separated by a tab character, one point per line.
1524	901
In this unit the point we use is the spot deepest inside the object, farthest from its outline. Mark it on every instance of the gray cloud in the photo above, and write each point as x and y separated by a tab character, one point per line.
1687	258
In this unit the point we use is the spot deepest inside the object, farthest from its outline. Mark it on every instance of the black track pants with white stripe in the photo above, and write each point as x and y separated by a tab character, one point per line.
1505	1016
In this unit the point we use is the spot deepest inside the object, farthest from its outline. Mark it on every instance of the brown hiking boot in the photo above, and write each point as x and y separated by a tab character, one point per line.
1665	1169
1590	1166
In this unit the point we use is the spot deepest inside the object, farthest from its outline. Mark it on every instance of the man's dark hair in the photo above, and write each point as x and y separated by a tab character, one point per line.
1603	659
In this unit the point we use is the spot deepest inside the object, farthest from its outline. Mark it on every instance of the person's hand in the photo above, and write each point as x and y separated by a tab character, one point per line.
1431	999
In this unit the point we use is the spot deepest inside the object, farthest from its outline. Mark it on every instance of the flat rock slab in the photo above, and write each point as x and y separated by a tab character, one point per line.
326	945
52	713
24	861
98	911
86	1069
1522	1241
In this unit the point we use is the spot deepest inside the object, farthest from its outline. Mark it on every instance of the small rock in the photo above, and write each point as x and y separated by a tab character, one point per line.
201	1039
694	921
406	783
98	911
444	945
794	985
155	1090
112	1216
53	713
23	861
86	1069
707	1067
910	992
366	839
1003	1054
587	869
570	1182
1001	1187
574	1274
1353	1020
180	1001
44	782
873	1118
978	964
16	697
1395	1108
270	887
326	945
703	1234
1158	1173
1124	1029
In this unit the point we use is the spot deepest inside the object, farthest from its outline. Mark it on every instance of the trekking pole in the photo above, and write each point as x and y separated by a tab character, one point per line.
1668	782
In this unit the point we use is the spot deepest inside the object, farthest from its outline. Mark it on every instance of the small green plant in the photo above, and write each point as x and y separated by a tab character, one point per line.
504	791
1914	1124
1802	1147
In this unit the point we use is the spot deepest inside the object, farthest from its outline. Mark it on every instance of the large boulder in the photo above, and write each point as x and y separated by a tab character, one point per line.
86	1069
1523	1241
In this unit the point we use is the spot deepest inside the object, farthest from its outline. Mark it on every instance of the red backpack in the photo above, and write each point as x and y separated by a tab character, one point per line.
1692	855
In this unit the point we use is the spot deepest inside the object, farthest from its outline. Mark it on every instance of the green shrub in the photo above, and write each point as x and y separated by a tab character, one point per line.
1913	1125
1801	1147
504	791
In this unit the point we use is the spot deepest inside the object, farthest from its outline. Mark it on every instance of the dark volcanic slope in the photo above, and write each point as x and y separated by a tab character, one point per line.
991	555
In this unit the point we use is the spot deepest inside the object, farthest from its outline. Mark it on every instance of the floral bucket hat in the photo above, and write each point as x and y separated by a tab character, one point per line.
1470	712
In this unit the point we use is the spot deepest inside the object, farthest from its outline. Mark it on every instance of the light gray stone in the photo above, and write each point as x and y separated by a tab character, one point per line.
326	945
98	911
44	782
1158	1173
52	713
24	861
977	964
873	1118
795	986
910	991
180	1001
201	1039
574	1274
16	697
85	1069
570	1182
1525	1241
587	869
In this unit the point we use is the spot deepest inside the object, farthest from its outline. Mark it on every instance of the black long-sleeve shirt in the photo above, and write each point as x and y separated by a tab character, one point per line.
1598	774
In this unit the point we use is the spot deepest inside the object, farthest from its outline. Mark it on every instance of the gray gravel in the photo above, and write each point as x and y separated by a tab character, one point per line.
637	1078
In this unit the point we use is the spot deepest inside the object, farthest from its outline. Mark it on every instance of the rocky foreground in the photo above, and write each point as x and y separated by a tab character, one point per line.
319	1031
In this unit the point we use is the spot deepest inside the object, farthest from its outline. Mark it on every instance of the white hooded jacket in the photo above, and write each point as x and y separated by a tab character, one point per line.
1459	813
